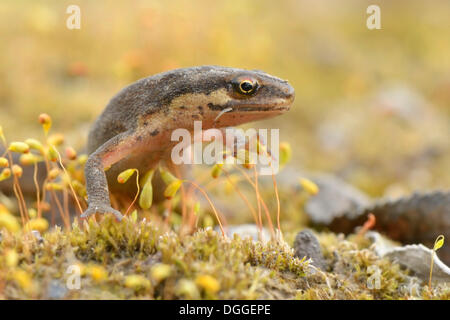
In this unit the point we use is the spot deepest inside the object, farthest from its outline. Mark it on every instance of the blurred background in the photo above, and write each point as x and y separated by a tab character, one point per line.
372	106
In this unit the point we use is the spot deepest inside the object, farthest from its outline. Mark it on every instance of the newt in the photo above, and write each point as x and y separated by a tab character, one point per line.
134	130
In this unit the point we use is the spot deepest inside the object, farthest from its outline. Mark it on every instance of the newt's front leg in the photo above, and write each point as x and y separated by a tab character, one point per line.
96	184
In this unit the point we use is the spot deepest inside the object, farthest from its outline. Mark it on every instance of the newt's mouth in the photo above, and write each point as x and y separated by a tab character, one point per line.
253	110
245	114
278	105
263	108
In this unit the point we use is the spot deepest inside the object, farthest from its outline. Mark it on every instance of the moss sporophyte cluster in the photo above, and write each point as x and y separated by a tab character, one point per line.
169	250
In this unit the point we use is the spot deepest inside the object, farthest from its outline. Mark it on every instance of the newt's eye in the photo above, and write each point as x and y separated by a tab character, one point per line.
246	86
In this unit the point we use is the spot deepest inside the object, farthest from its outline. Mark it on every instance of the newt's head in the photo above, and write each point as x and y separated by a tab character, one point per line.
223	96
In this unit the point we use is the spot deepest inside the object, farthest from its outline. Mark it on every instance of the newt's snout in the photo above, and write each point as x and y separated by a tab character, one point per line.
287	96
290	93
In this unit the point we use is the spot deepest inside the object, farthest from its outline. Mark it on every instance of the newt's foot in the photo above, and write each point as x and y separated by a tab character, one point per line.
101	208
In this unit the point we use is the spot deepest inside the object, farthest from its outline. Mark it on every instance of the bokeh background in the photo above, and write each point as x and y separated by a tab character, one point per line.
372	106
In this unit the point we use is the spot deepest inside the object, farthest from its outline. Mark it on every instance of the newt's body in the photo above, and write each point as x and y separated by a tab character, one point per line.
134	131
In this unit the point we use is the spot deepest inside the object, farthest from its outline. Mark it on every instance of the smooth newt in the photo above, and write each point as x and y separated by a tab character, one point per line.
134	129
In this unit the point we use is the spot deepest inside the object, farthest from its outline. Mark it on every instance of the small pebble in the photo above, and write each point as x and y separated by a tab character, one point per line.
56	290
246	231
306	244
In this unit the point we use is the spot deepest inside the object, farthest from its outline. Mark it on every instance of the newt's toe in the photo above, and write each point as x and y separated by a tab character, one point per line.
103	209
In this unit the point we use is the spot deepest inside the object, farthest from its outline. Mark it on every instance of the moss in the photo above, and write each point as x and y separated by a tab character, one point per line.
126	260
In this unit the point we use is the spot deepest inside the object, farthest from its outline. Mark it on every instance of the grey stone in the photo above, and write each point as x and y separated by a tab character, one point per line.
56	290
306	244
415	257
